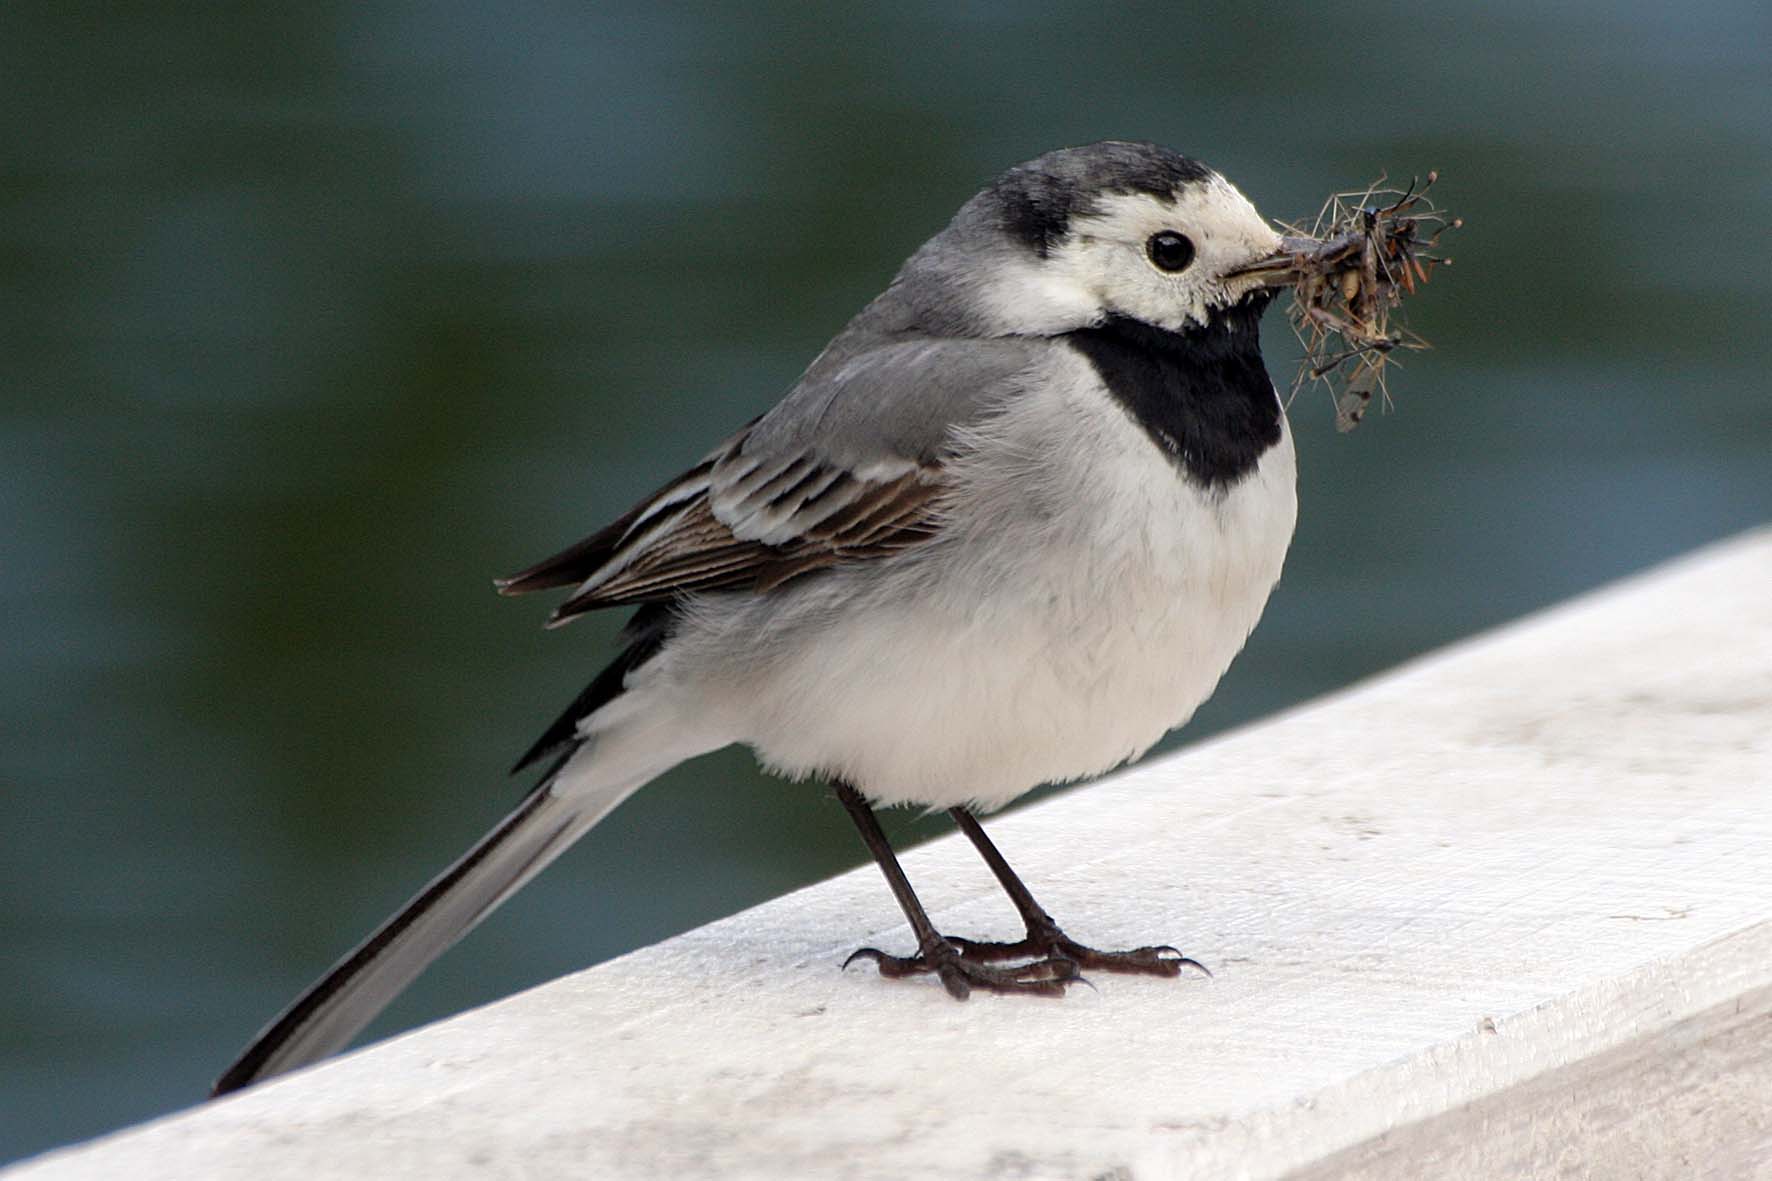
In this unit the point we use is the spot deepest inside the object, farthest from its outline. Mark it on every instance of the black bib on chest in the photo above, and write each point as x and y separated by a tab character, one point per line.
1202	394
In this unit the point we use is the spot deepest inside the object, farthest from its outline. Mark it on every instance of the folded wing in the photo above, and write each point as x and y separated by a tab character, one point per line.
850	466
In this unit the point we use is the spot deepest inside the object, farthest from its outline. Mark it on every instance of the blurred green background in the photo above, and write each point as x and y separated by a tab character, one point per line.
318	316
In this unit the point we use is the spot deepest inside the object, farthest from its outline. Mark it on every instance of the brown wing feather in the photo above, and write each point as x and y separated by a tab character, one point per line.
673	544
576	563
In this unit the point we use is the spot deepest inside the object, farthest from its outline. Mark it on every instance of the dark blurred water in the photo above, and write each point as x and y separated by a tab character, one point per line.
318	316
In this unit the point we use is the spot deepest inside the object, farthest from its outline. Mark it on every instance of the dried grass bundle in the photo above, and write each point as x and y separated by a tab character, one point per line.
1350	272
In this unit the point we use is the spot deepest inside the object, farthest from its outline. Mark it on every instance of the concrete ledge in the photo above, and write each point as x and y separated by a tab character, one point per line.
1507	910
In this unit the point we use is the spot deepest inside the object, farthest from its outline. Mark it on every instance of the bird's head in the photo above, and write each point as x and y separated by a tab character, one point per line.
1079	235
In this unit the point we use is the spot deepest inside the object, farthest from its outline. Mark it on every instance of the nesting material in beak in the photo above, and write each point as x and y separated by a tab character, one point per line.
1348	274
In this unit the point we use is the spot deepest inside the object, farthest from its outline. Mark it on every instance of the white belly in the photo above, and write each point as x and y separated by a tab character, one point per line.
1068	617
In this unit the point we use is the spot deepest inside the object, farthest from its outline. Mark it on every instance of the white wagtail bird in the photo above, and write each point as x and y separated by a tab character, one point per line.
1009	528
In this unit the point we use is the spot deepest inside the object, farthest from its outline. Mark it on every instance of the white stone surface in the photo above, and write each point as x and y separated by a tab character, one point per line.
1505	911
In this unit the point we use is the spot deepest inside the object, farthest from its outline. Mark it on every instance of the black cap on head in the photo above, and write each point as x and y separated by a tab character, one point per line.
1039	198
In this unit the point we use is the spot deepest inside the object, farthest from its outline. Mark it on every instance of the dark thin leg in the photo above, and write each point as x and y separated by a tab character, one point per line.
1032	912
1044	938
1044	977
875	839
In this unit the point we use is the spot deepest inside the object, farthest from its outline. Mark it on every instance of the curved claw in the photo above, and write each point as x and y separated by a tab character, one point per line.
862	953
889	965
1179	960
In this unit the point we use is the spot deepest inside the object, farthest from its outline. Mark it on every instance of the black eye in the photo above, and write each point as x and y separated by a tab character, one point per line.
1170	251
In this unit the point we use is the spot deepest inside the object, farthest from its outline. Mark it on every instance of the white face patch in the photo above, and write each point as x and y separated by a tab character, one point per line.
1021	293
1104	262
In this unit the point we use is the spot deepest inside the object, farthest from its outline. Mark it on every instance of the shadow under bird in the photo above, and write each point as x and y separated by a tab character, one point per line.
1009	528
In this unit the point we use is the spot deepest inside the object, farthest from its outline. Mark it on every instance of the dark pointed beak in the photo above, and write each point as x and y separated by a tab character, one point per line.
1285	266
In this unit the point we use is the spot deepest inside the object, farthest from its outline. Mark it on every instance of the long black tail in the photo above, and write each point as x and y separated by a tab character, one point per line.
337	1007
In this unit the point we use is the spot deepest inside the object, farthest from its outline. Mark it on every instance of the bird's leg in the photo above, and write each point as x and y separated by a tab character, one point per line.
1044	938
959	974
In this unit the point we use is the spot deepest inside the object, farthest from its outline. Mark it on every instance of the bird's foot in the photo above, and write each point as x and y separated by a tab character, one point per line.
1047	942
960	972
